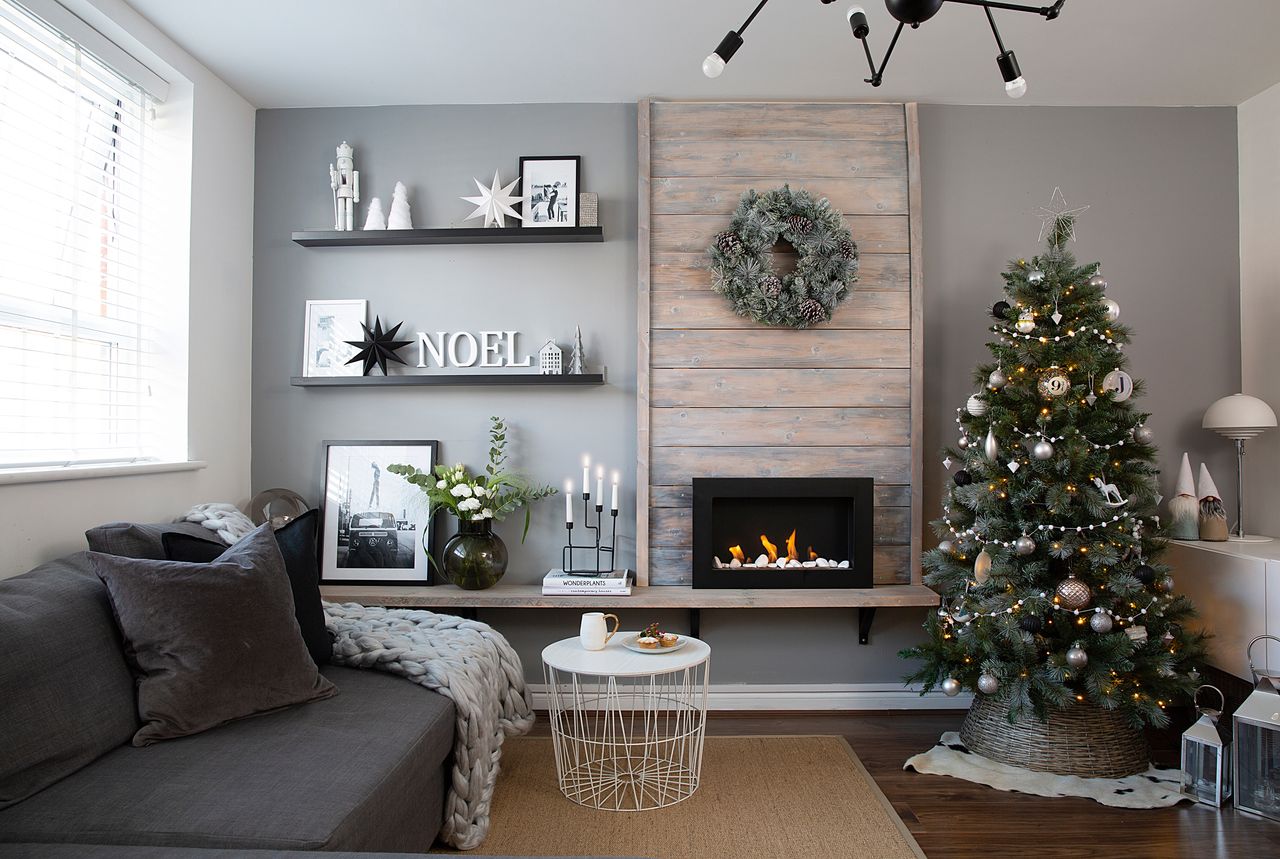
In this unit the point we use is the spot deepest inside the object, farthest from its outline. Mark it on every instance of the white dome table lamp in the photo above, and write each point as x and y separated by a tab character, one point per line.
1240	417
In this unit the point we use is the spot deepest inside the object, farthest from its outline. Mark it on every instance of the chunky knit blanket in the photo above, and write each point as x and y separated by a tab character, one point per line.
466	661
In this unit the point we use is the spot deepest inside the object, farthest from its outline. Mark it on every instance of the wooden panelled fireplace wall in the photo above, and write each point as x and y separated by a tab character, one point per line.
720	396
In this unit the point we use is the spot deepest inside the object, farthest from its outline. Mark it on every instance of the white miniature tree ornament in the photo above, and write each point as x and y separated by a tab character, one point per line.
344	179
576	359
494	202
375	219
400	217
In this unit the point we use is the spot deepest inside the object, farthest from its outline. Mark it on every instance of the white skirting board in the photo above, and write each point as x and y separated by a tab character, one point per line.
821	696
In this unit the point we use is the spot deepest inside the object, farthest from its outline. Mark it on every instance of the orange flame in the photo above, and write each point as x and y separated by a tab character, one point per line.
771	548
813	556
736	551
791	547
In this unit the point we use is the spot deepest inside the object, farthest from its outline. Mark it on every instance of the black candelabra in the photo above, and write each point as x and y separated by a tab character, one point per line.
598	547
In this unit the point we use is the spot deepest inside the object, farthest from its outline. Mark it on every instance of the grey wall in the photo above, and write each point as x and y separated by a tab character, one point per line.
1161	181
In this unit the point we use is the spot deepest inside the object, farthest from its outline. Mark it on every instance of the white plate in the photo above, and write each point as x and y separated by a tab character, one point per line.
629	642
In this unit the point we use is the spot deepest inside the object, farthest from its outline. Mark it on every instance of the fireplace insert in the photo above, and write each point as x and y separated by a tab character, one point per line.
759	532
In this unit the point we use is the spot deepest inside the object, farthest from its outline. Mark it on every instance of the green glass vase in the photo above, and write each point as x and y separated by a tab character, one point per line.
475	558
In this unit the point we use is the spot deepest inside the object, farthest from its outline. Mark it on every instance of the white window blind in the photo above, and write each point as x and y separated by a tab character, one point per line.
83	375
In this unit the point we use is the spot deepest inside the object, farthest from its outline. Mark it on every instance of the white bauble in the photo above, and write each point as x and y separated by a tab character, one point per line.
976	406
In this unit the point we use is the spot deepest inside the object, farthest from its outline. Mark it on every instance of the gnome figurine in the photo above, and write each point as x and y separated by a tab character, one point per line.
1213	516
1184	511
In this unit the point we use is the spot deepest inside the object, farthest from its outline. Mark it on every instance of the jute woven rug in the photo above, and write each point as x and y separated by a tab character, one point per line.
760	798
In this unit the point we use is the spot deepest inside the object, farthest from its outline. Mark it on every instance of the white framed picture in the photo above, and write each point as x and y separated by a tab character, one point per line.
330	323
376	524
549	190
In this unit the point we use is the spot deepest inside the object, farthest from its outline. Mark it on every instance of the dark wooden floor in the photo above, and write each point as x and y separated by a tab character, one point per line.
954	819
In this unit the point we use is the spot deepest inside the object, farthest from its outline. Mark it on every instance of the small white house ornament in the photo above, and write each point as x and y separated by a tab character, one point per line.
550	359
344	179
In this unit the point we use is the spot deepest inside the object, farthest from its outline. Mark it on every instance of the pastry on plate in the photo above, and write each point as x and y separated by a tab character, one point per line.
668	639
648	642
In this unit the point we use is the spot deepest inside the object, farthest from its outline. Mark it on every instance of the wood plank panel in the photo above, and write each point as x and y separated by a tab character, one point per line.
644	268
778	388
865	308
673	526
777	121
886	495
778	159
803	427
691	234
779	347
672	566
682	464
680	271
707	195
917	333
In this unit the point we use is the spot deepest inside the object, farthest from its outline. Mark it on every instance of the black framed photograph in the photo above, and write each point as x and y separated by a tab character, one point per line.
549	190
376	525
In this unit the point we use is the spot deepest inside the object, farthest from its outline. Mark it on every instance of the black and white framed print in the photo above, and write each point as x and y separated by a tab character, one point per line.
377	525
330	324
549	190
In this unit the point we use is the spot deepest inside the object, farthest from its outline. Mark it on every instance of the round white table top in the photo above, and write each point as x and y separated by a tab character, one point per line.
617	661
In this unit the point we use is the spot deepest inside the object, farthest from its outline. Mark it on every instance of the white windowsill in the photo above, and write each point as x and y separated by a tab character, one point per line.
85	472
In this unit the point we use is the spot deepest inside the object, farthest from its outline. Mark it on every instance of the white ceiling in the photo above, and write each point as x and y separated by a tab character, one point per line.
307	53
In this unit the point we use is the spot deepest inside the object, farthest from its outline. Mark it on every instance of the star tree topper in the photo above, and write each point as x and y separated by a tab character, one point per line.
378	346
1057	218
494	202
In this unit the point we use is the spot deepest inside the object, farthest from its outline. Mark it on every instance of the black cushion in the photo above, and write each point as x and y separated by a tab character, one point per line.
297	541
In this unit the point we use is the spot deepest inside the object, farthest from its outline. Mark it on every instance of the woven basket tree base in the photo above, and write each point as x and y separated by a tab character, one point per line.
1082	740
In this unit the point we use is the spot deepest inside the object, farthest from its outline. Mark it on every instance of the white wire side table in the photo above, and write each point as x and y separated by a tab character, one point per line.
627	728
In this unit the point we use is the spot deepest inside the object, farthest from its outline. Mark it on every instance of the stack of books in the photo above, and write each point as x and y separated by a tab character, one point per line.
613	583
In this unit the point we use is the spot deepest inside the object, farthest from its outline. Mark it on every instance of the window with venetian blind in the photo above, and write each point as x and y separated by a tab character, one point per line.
86	370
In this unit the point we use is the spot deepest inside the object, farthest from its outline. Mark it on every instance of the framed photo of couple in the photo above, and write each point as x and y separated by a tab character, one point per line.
549	190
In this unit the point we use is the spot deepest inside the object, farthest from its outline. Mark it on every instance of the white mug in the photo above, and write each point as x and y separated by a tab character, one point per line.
594	633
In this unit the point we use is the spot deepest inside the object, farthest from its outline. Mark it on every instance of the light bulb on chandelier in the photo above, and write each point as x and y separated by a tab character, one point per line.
1015	85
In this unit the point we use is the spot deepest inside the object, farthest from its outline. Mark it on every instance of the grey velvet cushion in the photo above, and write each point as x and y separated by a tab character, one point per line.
360	771
210	642
66	693
142	540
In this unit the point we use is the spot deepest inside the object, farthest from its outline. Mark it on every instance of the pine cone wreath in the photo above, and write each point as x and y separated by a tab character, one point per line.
771	286
848	249
800	225
729	244
812	311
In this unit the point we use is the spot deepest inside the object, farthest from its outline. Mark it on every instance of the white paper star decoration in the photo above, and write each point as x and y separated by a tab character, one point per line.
494	202
1053	213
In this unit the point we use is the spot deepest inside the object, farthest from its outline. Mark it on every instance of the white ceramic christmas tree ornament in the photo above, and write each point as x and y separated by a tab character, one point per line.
400	217
375	219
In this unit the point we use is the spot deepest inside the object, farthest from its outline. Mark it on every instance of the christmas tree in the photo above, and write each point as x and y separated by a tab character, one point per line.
1049	573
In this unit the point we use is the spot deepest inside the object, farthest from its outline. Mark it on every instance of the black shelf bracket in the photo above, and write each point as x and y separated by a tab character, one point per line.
866	616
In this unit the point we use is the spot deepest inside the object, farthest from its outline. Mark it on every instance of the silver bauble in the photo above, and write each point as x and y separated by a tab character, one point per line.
1101	622
1042	450
982	567
988	684
1035	277
991	447
1024	545
976	406
951	687
997	379
1098	282
1113	309
1026	322
1077	658
1143	435
963	443
947	546
1166	584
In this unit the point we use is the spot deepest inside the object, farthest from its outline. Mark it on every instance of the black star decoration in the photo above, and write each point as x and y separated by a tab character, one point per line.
378	346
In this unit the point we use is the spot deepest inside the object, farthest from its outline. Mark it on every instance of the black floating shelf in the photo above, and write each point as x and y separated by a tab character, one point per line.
510	379
458	236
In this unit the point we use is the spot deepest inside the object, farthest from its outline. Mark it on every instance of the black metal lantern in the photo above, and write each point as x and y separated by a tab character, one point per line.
1206	768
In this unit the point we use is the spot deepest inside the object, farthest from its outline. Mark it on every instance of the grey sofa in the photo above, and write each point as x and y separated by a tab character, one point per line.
363	771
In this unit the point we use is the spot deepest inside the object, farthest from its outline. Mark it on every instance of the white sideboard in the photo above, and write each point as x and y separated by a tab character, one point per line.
1236	591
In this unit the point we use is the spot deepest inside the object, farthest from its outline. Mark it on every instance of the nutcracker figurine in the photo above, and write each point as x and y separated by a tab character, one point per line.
345	182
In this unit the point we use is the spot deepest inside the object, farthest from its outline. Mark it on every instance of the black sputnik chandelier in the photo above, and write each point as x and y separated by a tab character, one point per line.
908	13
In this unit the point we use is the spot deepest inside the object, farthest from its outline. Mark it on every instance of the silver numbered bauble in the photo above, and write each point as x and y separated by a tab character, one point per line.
1026	322
1042	450
991	447
963	442
951	687
1112	309
988	684
997	379
1077	658
1098	282
947	546
1054	384
1119	384
1143	435
982	567
976	406
1101	622
1024	545
1035	277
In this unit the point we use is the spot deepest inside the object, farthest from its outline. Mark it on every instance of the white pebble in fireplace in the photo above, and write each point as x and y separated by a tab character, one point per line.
763	563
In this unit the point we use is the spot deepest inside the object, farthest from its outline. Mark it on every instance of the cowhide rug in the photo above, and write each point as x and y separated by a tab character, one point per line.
1155	788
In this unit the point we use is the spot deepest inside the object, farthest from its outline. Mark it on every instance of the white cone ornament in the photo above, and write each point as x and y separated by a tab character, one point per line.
1213	516
400	217
1184	508
376	219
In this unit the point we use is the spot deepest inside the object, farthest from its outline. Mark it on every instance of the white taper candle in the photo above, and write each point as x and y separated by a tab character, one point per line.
613	503
600	484
568	502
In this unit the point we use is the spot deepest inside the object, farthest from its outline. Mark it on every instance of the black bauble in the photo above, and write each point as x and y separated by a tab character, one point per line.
962	478
1000	309
1145	574
1031	623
